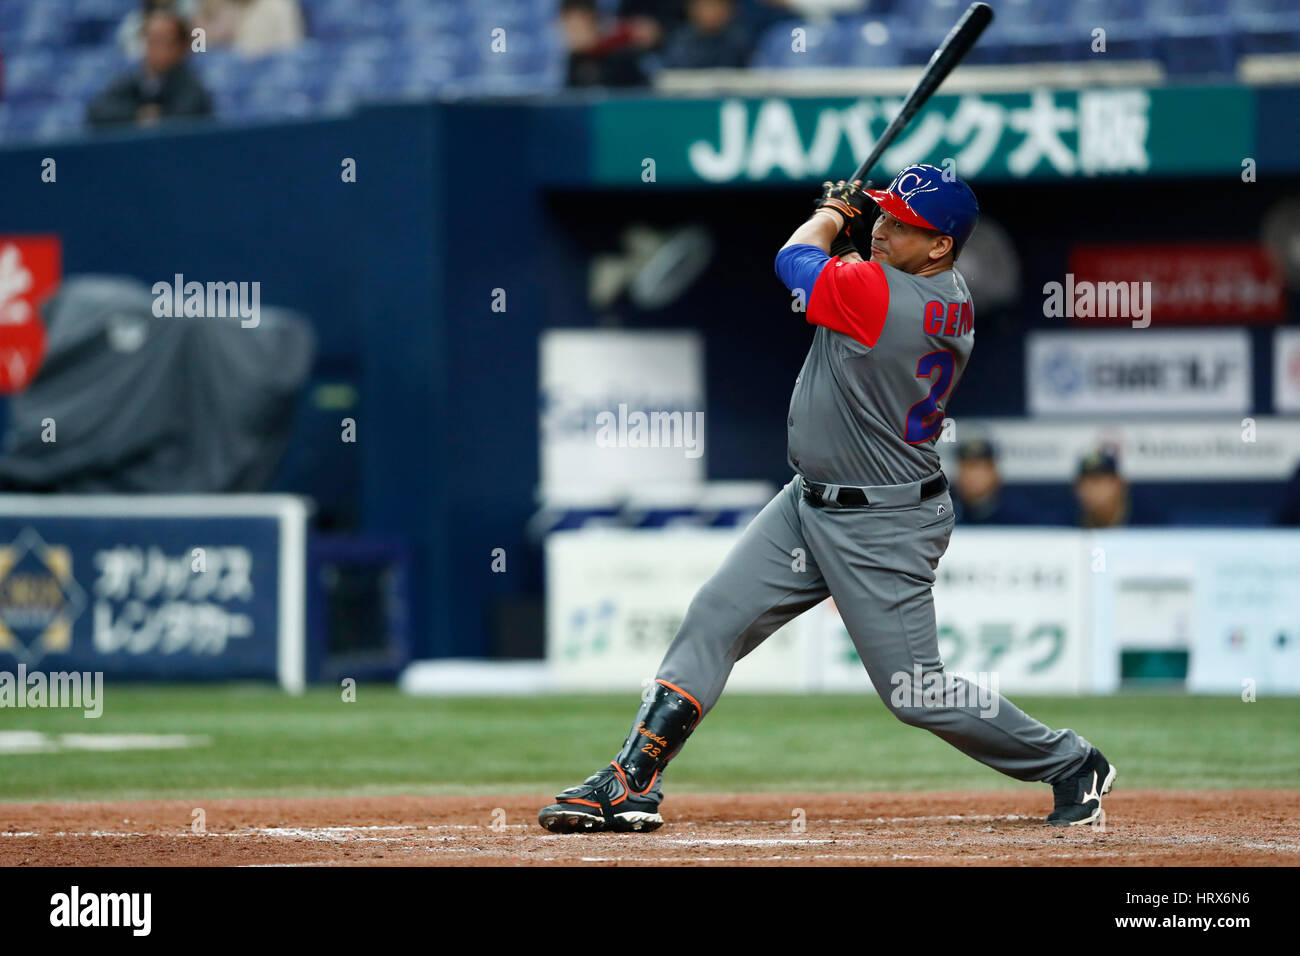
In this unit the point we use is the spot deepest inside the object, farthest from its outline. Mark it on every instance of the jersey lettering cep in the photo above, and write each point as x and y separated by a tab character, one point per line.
890	348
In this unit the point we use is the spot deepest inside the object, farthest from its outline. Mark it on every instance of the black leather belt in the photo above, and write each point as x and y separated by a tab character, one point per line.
815	492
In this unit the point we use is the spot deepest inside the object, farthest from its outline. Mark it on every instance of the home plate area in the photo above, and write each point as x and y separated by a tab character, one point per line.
1233	827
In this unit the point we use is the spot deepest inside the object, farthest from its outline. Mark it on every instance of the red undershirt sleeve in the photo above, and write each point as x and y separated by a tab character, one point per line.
852	298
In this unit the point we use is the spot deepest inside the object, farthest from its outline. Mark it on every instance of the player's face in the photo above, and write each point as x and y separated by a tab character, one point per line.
901	245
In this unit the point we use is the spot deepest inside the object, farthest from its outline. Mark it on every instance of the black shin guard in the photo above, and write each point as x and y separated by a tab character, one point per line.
661	727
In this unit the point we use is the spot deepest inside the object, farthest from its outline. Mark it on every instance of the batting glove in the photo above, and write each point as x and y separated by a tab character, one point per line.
845	240
847	199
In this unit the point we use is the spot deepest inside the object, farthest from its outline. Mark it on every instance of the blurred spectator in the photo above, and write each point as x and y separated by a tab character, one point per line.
711	37
1290	512
130	35
253	27
977	495
598	57
651	22
163	86
1104	497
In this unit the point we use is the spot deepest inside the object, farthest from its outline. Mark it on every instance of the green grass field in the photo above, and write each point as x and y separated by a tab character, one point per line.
263	742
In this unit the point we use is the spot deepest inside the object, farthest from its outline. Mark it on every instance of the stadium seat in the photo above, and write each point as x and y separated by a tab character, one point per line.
8	128
31	76
43	25
426	74
1202	47
870	42
83	76
12	18
1185	9
932	19
1105	13
271	101
20	122
90	31
1026	13
1267	32
1027	43
59	120
105	9
776	46
1264	7
436	14
340	19
507	14
1124	40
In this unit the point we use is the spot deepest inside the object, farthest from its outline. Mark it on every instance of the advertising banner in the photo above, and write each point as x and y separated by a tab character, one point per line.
619	411
1217	282
1034	134
1286	372
1018	610
1138	372
1009	604
616	597
1010	607
1228	598
153	587
31	268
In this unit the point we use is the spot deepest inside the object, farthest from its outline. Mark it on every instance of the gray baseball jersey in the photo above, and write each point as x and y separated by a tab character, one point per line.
890	347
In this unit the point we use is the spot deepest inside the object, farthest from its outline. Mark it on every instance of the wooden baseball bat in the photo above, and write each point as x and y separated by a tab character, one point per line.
950	52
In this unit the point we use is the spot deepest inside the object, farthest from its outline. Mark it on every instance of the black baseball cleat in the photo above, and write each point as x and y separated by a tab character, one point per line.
605	801
1078	796
625	796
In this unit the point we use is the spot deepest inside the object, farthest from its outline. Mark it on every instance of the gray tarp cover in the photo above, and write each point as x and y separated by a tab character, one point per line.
141	403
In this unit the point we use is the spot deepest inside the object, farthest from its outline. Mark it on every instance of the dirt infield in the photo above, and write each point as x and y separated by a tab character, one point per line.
1231	827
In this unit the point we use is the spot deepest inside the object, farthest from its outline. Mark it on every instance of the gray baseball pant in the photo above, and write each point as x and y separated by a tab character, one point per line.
878	564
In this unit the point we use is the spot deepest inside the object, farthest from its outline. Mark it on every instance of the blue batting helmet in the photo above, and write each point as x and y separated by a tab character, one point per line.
920	195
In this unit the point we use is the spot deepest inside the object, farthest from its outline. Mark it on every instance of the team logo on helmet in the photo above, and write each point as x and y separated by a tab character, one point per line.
910	182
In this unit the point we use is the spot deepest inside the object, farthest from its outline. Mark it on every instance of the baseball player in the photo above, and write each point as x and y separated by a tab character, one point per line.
866	517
